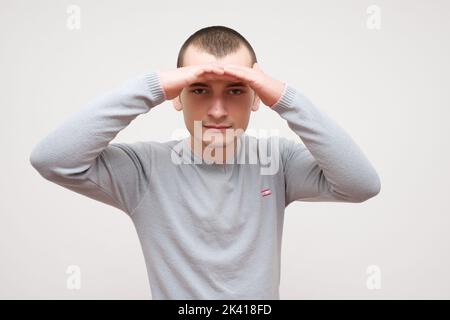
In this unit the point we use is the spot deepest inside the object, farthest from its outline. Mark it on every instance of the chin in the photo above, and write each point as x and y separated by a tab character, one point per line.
217	143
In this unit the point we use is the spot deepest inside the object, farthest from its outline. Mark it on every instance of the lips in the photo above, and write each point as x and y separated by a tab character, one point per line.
217	126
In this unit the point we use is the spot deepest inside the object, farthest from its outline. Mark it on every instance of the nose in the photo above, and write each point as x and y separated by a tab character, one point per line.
217	110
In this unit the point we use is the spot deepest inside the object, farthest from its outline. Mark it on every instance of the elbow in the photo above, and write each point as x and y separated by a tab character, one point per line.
56	169
35	159
368	190
40	163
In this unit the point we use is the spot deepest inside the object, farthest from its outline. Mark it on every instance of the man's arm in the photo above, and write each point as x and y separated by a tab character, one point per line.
78	155
329	166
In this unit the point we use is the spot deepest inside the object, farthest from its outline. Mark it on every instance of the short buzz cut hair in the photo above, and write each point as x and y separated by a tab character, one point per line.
218	41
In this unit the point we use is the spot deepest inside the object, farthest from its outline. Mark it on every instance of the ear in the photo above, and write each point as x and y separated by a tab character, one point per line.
177	103
256	101
257	67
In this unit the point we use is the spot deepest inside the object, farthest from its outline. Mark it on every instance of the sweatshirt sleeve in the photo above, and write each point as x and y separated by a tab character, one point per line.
329	165
78	154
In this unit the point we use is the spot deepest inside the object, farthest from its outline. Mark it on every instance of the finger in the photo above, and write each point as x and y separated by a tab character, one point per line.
222	77
246	71
215	70
215	67
209	68
243	73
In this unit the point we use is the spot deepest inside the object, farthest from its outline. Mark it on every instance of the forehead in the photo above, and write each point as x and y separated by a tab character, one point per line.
194	56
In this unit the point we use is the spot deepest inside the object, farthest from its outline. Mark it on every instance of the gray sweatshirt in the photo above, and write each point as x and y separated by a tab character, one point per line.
207	231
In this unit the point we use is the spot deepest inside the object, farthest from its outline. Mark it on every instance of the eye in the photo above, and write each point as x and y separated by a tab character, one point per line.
195	91
240	91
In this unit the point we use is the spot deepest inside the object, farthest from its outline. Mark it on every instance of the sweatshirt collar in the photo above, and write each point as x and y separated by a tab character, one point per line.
189	156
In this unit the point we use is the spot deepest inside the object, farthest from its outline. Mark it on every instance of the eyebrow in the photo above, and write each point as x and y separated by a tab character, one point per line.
233	84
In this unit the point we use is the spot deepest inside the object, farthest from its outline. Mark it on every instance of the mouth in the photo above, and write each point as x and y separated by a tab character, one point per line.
217	127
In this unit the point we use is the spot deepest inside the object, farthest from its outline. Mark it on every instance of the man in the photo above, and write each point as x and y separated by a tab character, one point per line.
209	228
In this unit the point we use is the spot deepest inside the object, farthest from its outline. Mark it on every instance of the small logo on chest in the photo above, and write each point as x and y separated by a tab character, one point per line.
266	192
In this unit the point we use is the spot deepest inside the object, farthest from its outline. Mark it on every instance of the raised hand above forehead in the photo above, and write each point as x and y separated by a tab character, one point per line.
174	80
268	89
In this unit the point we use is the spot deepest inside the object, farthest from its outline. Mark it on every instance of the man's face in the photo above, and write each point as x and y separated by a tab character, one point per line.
215	101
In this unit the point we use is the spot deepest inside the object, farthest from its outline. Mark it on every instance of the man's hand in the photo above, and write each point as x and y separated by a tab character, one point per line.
268	89
174	80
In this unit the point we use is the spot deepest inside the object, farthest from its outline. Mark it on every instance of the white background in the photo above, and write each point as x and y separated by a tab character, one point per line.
388	88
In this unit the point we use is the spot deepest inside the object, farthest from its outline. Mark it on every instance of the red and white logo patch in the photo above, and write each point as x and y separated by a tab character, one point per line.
266	192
